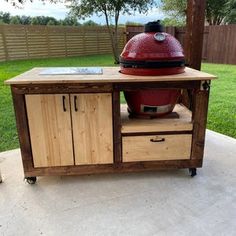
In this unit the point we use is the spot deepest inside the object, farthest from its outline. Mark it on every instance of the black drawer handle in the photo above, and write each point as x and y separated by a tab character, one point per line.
75	103
157	140
63	102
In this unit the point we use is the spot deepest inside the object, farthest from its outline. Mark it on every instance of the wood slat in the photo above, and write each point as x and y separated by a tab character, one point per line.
179	120
57	40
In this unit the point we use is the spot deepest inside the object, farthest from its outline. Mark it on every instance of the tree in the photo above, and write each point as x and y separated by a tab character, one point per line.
5	17
15	20
111	10
25	20
231	16
35	21
70	20
90	23
216	10
51	22
173	21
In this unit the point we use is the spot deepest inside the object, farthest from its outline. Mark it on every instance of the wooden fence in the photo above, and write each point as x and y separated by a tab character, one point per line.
219	44
26	42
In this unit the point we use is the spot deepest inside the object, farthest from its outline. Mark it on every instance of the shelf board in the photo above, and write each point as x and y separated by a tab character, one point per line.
172	122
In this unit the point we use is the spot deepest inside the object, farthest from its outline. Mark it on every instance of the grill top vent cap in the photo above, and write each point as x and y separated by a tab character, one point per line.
154	26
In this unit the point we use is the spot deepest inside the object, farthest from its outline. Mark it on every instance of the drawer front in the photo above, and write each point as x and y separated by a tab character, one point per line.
156	147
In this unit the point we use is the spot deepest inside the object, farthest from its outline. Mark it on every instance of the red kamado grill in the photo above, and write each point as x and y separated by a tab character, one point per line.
149	54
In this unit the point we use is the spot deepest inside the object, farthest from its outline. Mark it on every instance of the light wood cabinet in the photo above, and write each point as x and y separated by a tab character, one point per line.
92	128
71	129
50	129
74	125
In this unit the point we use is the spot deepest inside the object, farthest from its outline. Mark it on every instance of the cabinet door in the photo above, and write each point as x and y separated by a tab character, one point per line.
50	129
92	128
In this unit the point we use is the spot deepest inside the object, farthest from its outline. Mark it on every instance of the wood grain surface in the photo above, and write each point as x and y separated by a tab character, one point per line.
92	128
110	75
50	130
156	147
180	120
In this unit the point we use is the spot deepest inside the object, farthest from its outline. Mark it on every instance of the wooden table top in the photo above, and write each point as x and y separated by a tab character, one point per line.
110	75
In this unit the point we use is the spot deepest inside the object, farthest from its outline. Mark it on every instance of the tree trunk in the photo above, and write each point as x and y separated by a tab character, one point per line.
114	38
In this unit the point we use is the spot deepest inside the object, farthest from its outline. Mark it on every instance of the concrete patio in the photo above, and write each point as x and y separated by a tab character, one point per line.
151	203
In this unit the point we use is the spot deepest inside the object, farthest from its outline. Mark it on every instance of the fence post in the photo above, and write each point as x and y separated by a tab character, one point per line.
26	39
48	42
65	41
5	43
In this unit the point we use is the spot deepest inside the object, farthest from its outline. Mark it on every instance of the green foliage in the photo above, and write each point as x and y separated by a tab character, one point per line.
231	16
90	23
217	11
51	22
222	105
173	22
6	18
15	20
69	20
175	8
111	10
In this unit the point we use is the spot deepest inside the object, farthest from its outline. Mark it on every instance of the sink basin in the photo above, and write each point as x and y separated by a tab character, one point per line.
72	71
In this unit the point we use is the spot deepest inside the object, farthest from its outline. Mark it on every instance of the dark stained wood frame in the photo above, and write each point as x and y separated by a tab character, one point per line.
200	103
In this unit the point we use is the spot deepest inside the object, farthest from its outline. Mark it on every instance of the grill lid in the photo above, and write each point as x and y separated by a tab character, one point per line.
152	53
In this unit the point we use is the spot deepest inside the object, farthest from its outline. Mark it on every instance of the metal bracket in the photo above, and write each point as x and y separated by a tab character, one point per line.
205	85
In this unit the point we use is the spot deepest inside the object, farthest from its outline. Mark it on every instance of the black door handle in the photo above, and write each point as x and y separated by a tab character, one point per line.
75	103
63	103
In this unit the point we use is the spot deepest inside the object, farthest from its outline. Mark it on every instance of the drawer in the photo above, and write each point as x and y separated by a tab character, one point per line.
156	147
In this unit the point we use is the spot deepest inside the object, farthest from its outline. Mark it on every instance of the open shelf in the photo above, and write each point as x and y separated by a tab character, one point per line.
179	120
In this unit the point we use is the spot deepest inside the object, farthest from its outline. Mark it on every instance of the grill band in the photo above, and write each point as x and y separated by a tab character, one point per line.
151	64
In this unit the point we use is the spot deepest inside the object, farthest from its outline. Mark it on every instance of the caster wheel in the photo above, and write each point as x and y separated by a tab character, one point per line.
30	180
193	172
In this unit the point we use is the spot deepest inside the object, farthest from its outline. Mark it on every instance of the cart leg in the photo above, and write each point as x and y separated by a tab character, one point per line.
30	180
193	171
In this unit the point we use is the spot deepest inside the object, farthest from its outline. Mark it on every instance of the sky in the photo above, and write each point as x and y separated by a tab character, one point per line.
59	11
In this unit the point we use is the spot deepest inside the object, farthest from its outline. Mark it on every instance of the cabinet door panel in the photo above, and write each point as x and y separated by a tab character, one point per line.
92	128
50	129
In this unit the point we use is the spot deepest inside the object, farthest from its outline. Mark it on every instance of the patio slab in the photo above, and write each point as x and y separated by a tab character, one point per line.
150	203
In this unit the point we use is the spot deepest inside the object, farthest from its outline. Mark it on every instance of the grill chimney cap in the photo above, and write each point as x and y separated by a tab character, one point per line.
154	26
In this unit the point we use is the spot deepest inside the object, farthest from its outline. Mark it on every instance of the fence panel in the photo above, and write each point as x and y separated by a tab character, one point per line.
25	42
31	41
222	44
219	43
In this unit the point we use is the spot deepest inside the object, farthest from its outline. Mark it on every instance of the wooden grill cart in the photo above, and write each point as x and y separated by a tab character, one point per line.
74	124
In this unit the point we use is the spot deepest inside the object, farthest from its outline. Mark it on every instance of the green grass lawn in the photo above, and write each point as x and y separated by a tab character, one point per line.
222	109
222	105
